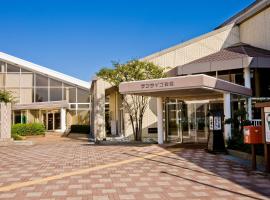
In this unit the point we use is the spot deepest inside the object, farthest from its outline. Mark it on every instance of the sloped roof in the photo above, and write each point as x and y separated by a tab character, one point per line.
234	57
240	50
43	70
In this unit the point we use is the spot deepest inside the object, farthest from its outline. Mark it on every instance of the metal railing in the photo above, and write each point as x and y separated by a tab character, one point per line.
256	122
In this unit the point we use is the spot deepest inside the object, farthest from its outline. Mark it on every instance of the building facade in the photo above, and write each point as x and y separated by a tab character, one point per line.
236	55
43	95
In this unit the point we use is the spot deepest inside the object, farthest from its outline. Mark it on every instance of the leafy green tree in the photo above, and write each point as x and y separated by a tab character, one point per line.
6	96
134	105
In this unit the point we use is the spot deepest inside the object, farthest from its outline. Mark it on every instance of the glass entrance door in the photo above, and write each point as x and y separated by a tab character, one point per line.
191	123
201	122
198	124
173	121
176	120
52	120
57	121
186	122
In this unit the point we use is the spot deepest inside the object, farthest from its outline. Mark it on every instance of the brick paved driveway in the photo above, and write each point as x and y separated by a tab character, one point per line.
72	169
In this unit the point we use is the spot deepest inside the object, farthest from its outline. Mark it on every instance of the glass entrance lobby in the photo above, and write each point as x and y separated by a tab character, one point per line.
187	121
52	120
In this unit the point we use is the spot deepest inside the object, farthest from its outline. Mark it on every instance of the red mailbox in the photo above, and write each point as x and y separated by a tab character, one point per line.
253	135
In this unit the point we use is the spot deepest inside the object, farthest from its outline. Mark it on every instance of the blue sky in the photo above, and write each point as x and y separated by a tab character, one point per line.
78	37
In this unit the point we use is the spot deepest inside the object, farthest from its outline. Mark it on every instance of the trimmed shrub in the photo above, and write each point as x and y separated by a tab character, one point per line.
80	129
28	129
16	137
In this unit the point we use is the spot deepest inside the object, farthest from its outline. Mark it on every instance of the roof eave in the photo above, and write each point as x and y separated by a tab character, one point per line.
44	70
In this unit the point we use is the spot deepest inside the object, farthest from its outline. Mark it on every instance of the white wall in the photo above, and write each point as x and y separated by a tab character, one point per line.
256	30
196	48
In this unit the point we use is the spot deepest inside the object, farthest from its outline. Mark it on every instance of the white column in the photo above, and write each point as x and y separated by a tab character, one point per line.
248	85
160	120
63	119
227	113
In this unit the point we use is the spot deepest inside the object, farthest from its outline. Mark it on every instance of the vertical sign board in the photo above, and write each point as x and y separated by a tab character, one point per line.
267	124
217	123
215	141
211	123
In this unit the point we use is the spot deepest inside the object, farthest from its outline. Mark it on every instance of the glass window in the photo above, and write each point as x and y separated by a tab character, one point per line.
83	117
83	106
72	95
12	68
17	117
41	81
57	120
55	94
262	83
55	90
71	117
55	83
41	94
83	96
239	79
225	77
66	92
25	71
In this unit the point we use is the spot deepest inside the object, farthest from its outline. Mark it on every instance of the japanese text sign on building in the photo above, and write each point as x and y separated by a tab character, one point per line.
162	84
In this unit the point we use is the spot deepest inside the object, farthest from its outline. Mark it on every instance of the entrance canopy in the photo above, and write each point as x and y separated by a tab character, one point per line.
188	87
41	105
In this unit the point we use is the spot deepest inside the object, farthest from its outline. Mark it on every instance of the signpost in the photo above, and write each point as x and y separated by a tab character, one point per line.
253	136
215	139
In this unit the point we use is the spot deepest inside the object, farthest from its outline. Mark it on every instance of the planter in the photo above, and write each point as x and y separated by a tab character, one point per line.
246	156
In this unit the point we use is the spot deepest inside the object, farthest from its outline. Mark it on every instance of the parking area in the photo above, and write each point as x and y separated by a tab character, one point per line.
74	169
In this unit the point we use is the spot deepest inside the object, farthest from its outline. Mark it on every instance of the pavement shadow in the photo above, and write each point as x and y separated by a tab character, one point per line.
232	172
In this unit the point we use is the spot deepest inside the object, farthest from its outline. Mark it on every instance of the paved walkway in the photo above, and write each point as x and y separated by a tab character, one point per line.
74	169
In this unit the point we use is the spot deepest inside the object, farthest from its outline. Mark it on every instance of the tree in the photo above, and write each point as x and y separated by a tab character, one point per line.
6	96
134	105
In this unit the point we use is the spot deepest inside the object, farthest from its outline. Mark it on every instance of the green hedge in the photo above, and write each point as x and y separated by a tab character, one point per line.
16	137
28	129
80	129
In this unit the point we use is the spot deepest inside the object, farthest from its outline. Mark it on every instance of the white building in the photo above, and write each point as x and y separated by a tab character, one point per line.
44	95
225	70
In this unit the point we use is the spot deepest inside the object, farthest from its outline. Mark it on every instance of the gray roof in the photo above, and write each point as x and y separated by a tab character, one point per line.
240	50
234	57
